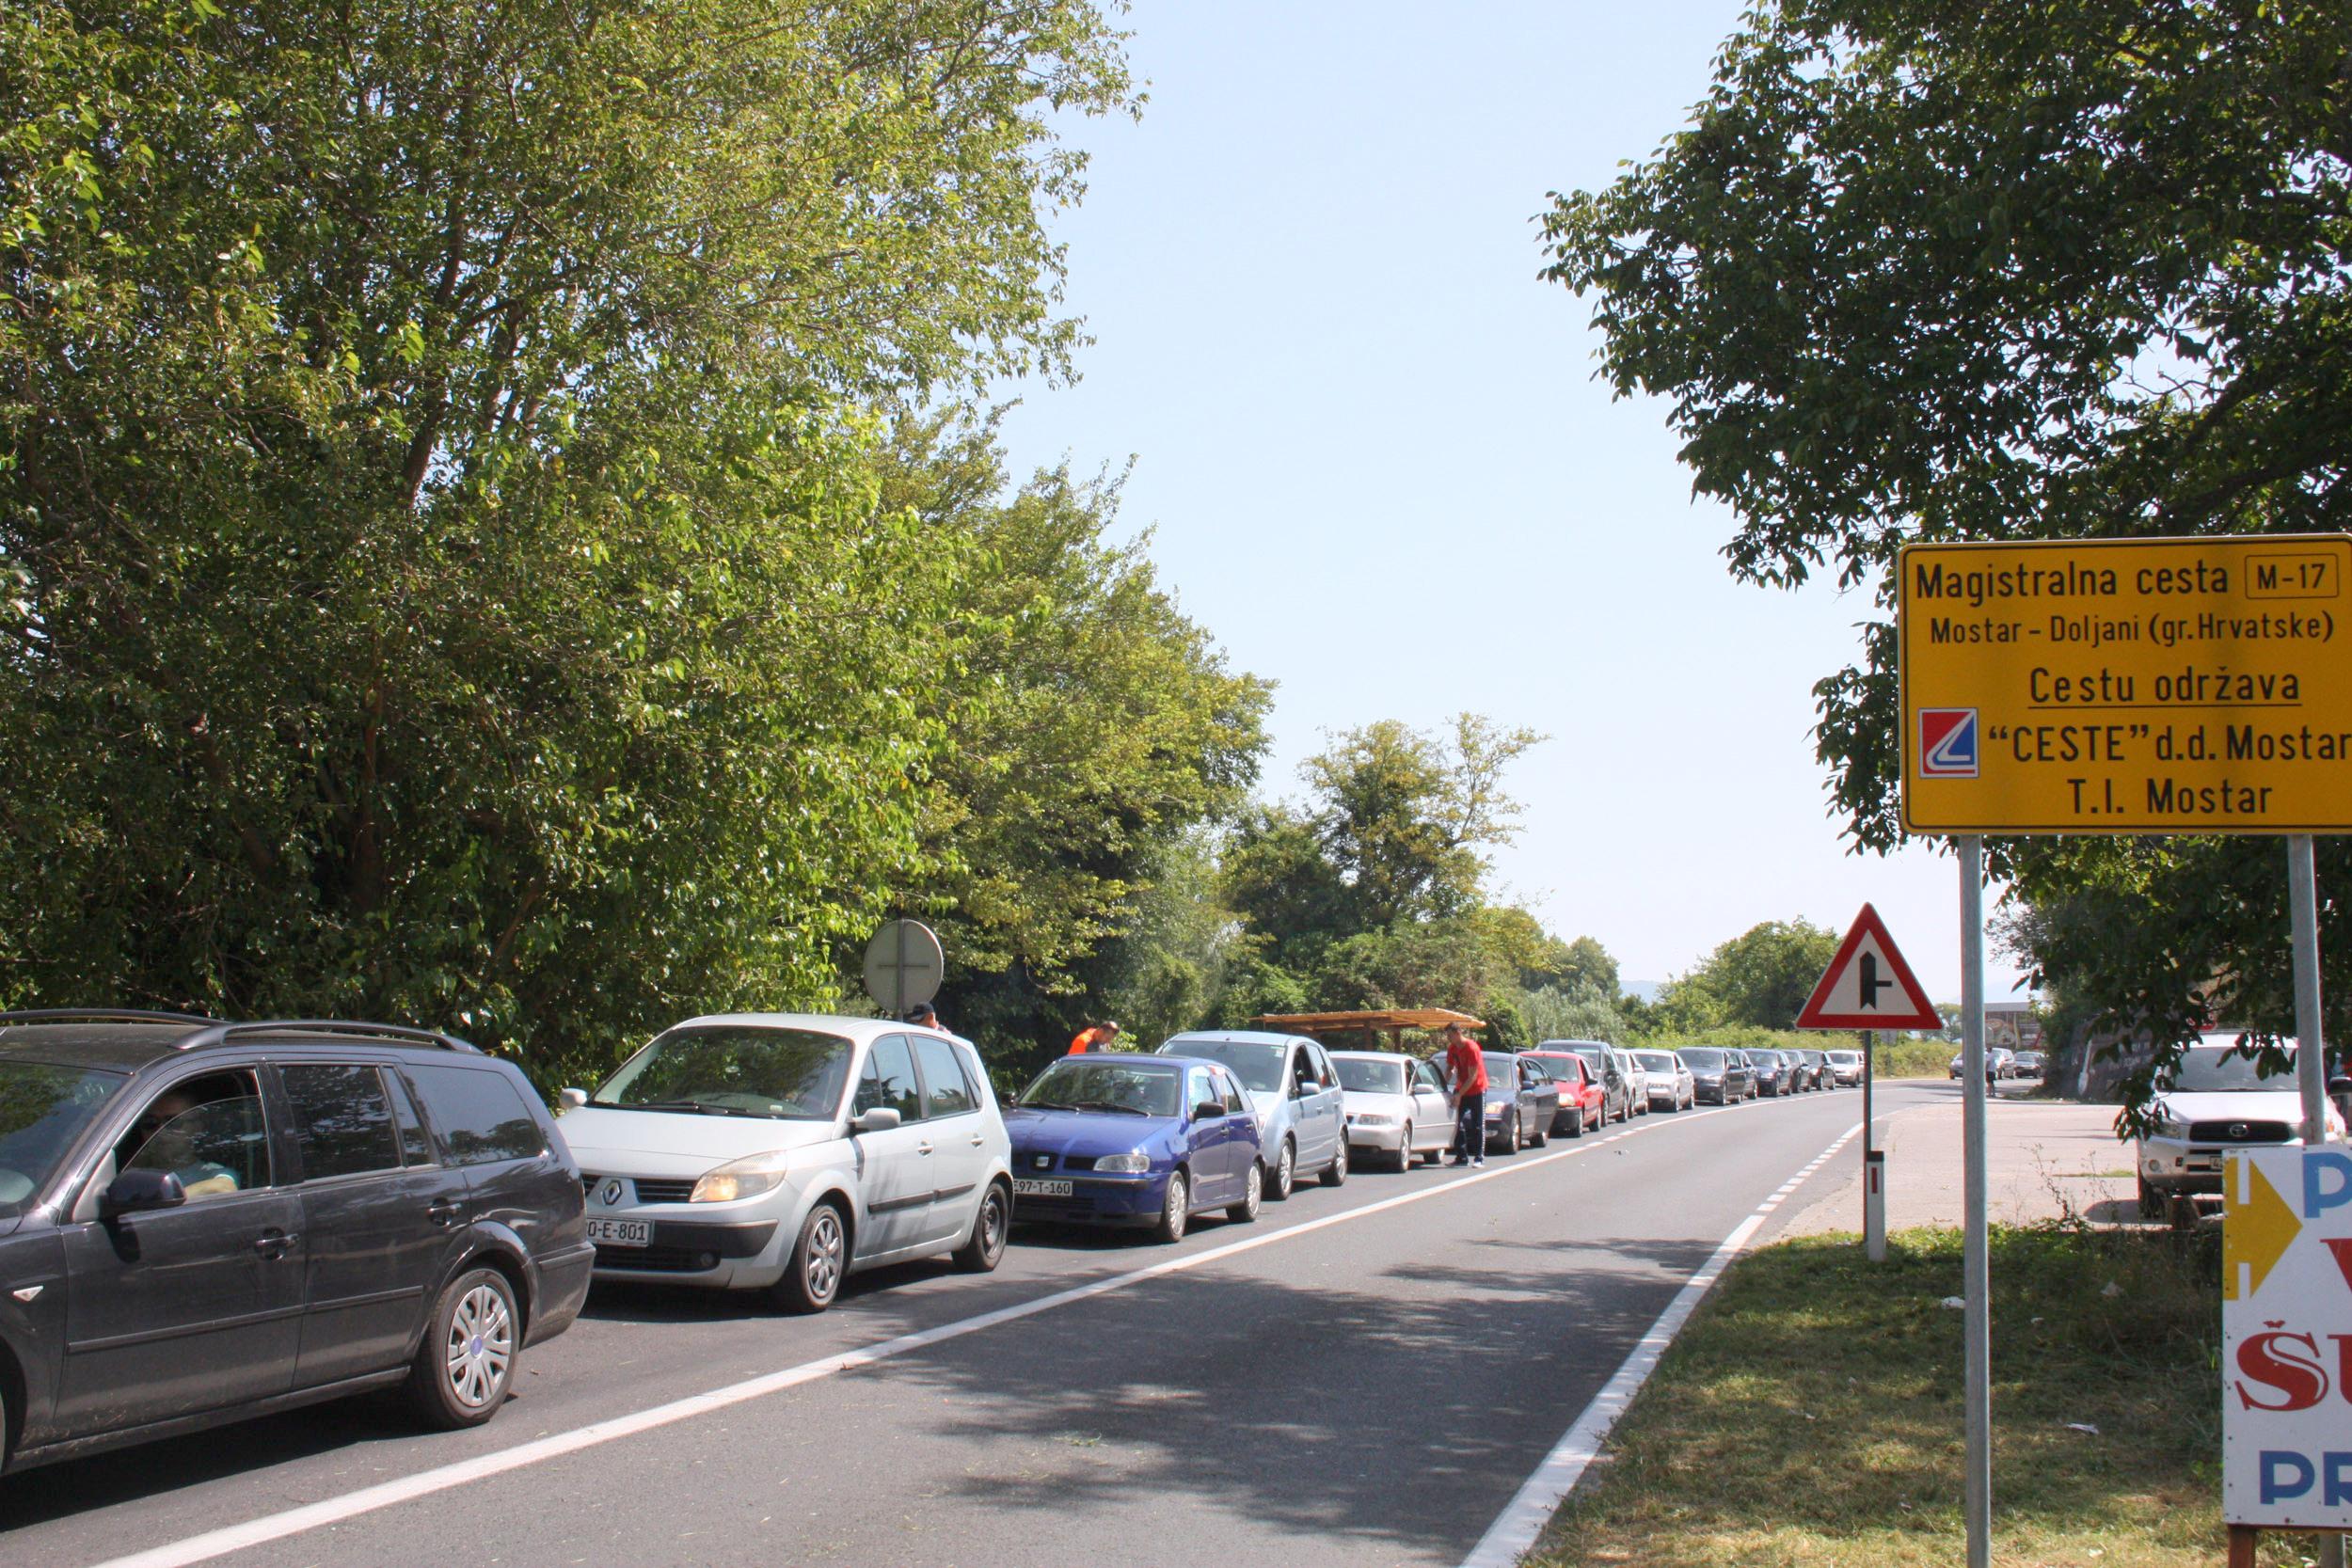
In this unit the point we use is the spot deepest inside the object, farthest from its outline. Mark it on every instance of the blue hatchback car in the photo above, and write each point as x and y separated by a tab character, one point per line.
1118	1139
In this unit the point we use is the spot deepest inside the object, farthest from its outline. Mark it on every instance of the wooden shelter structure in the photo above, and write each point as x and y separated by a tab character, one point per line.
1391	1022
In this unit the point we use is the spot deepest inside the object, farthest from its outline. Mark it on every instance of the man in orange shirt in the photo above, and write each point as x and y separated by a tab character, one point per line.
1097	1039
1465	1069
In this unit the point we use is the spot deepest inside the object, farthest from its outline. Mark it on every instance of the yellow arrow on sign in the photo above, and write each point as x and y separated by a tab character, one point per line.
2257	1227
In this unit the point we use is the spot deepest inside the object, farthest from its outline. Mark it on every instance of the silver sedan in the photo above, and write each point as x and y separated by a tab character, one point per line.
1671	1085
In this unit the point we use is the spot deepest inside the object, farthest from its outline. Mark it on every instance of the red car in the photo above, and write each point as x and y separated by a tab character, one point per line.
1583	1102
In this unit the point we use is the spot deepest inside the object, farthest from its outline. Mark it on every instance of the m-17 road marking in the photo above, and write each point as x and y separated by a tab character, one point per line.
330	1511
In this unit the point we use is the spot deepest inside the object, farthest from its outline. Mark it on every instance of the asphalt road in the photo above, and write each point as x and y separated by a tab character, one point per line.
1367	1382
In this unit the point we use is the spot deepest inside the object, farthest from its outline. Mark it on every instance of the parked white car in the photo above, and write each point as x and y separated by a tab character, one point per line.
1669	1084
786	1152
2216	1099
1636	1082
1395	1106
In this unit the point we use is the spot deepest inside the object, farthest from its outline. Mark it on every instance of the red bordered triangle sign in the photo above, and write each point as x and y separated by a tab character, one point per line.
1868	986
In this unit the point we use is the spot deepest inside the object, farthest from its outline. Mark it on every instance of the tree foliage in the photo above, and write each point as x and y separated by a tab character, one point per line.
1759	979
449	578
1091	734
1947	271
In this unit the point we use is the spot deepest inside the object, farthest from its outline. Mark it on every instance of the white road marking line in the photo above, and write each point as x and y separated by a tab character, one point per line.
1523	1517
330	1511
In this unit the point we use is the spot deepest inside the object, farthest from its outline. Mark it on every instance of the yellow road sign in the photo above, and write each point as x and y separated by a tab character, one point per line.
2127	686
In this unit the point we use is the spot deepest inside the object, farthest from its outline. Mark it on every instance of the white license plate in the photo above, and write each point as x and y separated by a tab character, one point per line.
1031	1187
621	1232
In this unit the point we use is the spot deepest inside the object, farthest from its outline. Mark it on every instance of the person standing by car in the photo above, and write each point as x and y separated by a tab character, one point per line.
1465	1069
1100	1037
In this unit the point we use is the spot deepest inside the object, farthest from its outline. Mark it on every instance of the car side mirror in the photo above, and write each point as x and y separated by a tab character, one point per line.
137	1191
882	1118
1208	1109
572	1100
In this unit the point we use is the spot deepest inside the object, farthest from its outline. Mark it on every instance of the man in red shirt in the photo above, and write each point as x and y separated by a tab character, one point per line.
1465	1069
1100	1038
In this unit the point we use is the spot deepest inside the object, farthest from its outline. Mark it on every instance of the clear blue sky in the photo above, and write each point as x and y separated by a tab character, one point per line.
1377	465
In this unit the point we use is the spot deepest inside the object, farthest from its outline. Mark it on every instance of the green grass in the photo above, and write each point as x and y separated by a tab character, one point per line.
1810	1413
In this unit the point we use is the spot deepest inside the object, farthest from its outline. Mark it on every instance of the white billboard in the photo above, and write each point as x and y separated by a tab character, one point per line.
2286	1330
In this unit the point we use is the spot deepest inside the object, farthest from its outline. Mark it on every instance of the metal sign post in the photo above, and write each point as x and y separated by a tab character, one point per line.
1873	1163
1976	1269
2311	1046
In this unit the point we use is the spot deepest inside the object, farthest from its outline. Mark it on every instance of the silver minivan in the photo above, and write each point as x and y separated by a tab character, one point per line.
786	1152
1302	1122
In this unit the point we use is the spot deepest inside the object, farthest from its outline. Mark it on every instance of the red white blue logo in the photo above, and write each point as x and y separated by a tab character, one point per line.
1947	743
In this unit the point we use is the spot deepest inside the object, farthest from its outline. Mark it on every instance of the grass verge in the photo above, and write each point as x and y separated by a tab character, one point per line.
1810	1413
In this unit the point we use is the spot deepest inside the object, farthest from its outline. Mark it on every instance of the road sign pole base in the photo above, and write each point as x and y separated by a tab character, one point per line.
1874	1206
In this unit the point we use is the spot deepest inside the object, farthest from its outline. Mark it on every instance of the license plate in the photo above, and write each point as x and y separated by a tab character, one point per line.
1032	1187
621	1232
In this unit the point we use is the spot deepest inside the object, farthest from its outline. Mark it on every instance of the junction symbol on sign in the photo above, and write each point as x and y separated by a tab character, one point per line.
1868	986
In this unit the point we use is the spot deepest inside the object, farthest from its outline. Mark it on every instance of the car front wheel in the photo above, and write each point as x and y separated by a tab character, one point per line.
1405	1148
985	1247
812	1274
467	1363
1285	1171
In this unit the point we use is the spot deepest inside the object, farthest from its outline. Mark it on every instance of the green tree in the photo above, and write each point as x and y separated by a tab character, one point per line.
1969	272
448	581
1759	978
1091	732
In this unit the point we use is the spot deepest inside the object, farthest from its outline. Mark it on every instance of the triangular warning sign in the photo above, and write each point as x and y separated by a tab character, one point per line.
1868	986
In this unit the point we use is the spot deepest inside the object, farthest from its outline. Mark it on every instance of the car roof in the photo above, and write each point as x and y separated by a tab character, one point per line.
1236	1036
858	1029
122	1047
1406	1057
129	1041
1153	1057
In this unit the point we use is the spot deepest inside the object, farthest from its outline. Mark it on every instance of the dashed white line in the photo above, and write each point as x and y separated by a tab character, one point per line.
330	1511
1523	1517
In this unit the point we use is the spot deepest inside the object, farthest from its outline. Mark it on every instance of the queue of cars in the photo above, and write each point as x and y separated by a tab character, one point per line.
202	1221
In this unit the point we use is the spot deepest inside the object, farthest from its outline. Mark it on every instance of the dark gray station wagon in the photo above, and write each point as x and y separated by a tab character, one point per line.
201	1221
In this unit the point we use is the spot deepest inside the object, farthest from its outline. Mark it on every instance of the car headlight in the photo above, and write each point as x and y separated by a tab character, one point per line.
746	1178
1124	1165
1371	1118
2172	1127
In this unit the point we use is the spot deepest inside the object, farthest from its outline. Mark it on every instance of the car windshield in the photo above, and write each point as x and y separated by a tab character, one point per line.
1656	1061
1258	1066
735	1070
1845	1059
1111	1084
2210	1069
1703	1061
1370	1077
43	1108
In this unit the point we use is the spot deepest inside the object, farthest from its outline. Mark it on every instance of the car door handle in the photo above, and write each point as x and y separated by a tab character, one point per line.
978	1141
274	1244
922	1148
445	1212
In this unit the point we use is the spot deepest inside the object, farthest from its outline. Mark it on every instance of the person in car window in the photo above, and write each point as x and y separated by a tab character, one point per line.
167	1139
1466	1071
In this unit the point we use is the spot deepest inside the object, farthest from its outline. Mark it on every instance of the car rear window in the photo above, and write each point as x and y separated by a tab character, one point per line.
481	1116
